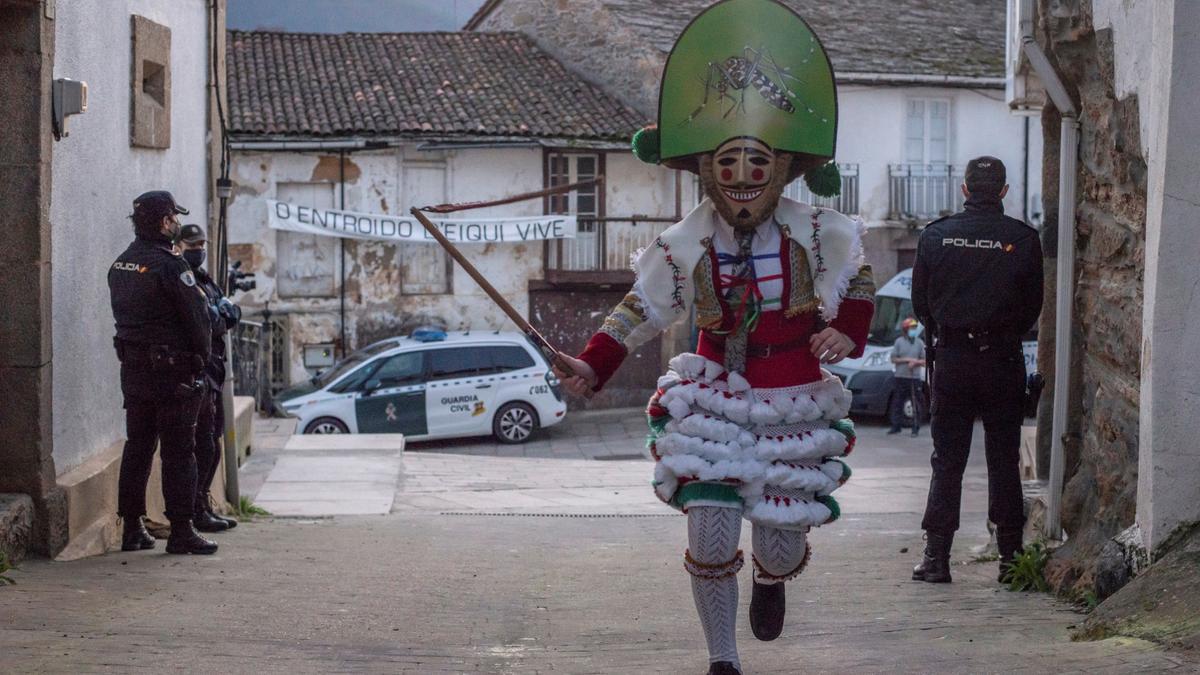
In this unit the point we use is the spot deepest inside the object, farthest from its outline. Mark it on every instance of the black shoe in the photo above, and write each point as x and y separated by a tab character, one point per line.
231	522
893	431
184	540
723	668
767	605
935	566
207	522
916	432
1010	545
135	537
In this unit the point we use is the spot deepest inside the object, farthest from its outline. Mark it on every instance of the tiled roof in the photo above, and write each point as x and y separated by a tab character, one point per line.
962	38
431	85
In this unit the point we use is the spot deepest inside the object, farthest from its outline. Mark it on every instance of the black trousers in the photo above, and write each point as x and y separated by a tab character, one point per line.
158	414
210	428
904	389
968	384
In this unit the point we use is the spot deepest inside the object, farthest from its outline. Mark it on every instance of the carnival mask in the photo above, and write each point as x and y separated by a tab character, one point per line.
744	178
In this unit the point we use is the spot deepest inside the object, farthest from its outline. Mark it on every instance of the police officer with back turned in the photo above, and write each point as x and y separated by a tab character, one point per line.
163	338
977	287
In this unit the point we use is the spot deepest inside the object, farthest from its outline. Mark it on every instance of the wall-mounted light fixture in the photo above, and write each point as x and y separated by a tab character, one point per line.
68	97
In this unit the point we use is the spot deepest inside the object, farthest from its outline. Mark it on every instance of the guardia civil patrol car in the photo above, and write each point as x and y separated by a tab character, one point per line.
432	385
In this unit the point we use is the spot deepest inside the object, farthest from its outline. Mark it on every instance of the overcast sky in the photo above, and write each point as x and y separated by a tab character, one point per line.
342	16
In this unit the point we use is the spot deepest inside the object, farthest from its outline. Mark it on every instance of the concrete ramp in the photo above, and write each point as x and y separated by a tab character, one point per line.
334	475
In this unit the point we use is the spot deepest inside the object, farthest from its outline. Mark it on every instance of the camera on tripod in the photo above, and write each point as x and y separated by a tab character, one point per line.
239	280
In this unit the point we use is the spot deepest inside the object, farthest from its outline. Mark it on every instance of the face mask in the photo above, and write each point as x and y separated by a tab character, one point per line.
912	333
195	257
173	228
744	178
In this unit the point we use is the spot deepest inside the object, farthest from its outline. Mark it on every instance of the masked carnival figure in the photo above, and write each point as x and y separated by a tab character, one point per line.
750	426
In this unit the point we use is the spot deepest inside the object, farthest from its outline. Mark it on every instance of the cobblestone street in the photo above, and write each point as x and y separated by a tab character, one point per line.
559	561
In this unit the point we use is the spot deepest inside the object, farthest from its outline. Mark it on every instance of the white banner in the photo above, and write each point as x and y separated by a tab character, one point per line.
377	227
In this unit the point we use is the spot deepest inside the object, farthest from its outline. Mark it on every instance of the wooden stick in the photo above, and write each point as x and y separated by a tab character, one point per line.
557	189
552	353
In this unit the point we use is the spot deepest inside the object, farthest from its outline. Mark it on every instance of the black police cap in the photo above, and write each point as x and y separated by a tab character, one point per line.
191	234
985	174
157	203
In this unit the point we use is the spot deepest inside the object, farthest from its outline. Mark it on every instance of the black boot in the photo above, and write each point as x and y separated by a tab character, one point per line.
134	536
184	540
935	566
1010	545
723	668
767	605
230	522
207	522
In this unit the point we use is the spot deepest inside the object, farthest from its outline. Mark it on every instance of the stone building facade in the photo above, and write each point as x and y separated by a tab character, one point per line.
455	128
1100	494
1130	462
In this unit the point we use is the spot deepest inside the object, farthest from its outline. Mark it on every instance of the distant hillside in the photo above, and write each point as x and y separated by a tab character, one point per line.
344	16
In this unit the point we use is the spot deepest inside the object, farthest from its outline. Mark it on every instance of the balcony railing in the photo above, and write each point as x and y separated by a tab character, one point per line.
604	244
923	191
846	202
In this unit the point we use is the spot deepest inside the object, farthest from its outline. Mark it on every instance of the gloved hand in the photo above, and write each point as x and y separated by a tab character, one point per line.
230	312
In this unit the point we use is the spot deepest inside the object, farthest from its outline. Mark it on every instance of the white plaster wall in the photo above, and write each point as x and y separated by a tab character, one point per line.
1168	456
871	134
96	175
1132	22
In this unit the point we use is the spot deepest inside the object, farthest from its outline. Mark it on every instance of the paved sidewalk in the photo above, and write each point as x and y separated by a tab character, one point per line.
491	564
428	593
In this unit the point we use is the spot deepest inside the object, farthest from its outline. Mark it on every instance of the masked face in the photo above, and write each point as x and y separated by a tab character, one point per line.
912	333
171	227
744	178
195	256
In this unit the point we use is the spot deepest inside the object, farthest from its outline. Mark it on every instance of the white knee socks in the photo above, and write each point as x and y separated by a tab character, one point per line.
713	560
779	555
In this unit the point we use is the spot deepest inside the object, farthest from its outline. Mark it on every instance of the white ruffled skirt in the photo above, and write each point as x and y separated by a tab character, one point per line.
771	452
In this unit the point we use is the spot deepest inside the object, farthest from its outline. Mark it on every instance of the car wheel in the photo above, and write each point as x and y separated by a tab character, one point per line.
514	423
326	425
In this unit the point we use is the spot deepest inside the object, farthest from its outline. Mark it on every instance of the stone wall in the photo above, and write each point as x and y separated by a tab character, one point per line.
1100	494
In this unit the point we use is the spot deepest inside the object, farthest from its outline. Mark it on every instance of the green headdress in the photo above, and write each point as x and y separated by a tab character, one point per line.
745	68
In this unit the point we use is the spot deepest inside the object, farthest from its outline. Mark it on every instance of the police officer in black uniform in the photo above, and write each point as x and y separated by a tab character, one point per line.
977	287
163	336
210	424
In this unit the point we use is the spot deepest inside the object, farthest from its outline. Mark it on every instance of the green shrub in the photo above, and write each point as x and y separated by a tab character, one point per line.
247	509
5	566
1027	572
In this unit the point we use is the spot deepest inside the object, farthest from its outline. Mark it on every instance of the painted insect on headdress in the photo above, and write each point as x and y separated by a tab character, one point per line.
748	101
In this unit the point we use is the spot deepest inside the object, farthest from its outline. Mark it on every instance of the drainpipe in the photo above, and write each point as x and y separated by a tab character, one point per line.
342	247
1025	171
1065	283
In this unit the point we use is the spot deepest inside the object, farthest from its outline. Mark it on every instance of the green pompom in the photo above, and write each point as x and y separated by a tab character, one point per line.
823	181
835	511
646	145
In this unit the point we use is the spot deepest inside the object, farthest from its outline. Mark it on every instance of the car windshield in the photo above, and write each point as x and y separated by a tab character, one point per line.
354	360
890	311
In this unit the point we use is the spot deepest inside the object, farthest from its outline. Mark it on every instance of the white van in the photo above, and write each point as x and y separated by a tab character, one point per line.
869	377
433	385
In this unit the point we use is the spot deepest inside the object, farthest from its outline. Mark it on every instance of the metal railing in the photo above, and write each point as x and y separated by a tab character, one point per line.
604	244
846	202
923	191
251	364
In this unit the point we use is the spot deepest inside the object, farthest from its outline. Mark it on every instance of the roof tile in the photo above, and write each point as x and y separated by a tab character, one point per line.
432	84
